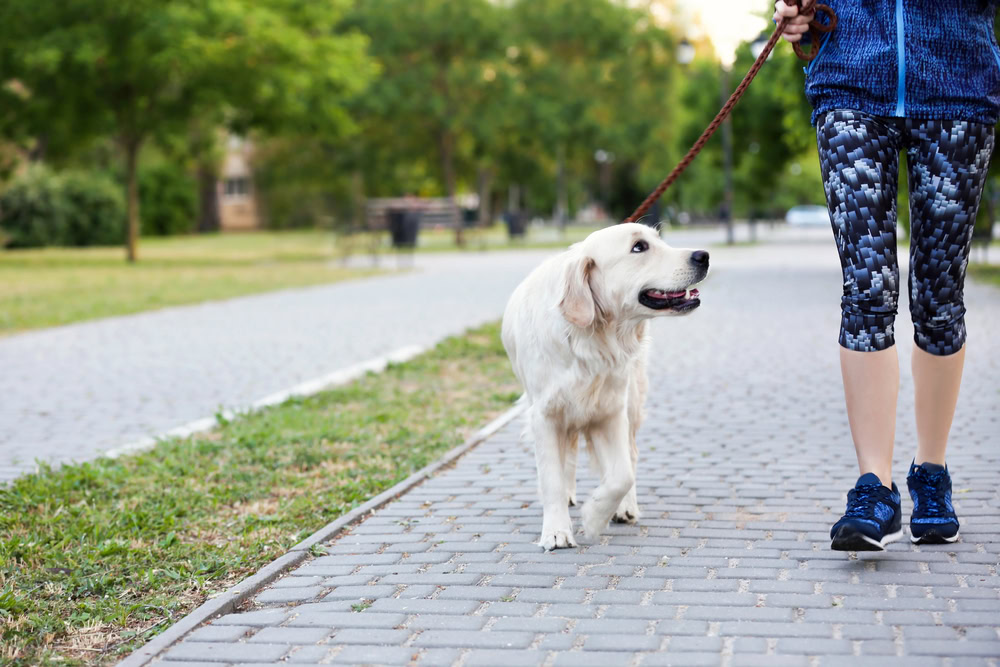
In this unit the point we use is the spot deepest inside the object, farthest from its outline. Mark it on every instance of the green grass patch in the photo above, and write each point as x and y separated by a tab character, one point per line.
53	286
97	558
988	273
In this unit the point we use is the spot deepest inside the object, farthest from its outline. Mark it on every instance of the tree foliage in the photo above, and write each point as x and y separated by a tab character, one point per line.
144	69
348	99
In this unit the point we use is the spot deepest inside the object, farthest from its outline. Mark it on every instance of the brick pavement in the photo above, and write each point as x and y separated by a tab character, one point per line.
744	464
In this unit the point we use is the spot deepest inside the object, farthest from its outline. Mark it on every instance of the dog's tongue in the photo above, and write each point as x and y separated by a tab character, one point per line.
658	294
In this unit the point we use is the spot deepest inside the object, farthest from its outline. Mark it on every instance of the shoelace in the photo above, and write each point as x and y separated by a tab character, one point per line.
930	492
861	500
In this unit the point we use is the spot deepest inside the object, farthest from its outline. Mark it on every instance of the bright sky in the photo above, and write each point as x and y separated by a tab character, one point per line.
727	22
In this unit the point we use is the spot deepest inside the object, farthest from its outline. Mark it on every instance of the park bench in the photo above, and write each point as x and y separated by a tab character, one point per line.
435	212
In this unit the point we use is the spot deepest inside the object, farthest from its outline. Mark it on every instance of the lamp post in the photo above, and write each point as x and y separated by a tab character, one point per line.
685	52
685	55
604	160
756	48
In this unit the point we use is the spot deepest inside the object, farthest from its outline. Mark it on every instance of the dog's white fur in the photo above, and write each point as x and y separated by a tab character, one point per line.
576	336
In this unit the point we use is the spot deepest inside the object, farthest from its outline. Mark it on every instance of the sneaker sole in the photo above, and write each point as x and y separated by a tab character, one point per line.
849	540
933	537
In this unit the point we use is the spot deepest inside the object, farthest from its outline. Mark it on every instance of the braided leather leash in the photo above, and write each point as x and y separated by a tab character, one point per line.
816	30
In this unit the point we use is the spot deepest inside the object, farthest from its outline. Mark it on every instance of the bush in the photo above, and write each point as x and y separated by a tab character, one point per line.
95	209
169	203
43	208
33	210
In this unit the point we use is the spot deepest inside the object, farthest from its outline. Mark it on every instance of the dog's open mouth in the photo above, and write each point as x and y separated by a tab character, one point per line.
677	301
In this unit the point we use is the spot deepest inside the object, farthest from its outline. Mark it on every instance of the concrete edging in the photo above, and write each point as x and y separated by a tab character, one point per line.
230	599
308	388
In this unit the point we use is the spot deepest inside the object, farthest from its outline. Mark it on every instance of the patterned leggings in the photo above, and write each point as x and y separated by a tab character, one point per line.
947	163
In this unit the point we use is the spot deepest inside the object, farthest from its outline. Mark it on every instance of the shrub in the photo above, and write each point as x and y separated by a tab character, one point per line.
169	204
95	209
33	210
43	208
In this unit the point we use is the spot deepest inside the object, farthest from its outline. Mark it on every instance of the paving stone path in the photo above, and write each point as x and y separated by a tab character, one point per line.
744	464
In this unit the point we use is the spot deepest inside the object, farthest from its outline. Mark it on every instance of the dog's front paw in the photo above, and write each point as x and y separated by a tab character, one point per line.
556	539
628	510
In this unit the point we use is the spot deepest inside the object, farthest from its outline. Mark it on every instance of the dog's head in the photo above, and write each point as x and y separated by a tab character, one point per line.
626	272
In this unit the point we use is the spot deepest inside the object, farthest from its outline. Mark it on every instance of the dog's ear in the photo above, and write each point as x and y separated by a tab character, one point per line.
578	304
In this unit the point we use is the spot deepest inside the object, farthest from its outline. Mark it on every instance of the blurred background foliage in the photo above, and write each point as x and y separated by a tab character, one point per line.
546	106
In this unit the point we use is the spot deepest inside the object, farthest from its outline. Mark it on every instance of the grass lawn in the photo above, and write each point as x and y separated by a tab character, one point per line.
53	286
988	273
97	558
40	288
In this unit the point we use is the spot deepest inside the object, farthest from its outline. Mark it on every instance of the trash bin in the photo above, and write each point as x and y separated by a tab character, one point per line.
470	216
395	218
515	224
403	226
411	225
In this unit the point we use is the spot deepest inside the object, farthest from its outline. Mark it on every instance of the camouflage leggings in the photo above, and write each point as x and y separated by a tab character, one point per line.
947	163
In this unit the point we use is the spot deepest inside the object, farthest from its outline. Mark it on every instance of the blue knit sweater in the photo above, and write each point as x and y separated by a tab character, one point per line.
909	58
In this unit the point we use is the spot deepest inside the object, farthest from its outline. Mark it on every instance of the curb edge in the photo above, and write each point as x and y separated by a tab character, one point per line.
227	601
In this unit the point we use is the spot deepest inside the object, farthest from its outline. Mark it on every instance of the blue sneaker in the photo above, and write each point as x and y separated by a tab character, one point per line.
873	518
933	520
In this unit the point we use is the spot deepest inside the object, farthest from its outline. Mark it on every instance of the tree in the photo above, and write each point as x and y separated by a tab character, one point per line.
566	47
432	54
147	68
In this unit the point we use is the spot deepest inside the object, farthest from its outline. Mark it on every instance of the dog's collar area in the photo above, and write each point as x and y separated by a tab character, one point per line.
676	301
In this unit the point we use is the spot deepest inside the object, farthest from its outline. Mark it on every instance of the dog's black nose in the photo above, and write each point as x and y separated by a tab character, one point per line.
700	257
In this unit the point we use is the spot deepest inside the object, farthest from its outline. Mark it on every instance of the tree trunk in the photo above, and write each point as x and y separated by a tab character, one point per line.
131	147
514	197
485	196
562	198
209	219
38	151
448	170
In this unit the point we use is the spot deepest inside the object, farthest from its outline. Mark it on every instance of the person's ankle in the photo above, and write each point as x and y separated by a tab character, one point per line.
884	476
919	460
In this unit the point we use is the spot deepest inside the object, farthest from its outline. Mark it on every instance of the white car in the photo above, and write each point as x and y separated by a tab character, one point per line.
808	216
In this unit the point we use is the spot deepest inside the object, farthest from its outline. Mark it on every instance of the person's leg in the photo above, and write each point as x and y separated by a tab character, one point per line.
936	380
948	163
859	159
871	387
947	166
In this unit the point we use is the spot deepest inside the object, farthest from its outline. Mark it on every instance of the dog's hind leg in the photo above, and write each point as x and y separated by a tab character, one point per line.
557	528
611	446
569	466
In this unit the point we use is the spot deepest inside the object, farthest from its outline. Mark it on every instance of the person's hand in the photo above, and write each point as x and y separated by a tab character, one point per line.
796	26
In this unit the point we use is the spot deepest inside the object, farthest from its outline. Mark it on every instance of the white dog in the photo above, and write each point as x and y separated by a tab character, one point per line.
575	332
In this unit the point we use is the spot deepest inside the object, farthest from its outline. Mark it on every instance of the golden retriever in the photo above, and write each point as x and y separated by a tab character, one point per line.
575	332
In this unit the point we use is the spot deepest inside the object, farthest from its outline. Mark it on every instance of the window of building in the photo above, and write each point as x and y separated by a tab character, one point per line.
236	187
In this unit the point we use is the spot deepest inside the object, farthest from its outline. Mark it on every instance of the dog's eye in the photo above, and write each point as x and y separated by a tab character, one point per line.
640	246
